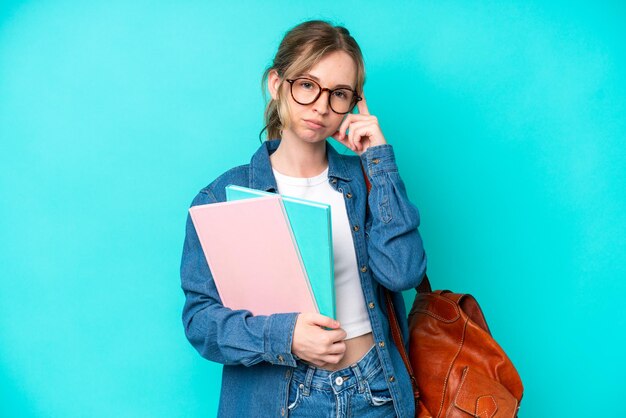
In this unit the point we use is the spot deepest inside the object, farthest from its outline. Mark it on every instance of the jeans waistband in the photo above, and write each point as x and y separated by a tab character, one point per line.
309	376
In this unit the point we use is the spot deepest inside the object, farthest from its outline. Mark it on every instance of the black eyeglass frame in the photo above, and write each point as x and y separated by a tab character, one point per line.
355	99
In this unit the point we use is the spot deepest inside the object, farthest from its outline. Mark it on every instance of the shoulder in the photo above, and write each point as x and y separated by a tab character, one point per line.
347	164
354	166
215	190
352	161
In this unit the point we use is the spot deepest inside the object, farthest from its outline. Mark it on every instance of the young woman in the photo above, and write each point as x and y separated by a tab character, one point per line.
303	364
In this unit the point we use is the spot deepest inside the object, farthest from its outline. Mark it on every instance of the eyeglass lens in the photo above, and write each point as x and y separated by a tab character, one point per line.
306	91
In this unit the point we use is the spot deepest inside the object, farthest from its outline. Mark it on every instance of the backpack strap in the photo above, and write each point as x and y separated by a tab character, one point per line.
424	287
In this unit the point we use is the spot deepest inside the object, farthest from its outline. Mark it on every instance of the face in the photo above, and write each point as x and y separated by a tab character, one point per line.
316	121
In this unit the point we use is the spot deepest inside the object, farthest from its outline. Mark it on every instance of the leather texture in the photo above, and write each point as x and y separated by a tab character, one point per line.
459	369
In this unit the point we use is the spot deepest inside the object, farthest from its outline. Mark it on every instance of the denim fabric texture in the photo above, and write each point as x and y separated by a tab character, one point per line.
256	350
360	390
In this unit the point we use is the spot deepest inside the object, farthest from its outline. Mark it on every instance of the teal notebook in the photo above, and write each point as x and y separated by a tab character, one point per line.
311	225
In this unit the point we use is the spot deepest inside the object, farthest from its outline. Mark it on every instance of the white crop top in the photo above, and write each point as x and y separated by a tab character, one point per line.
351	310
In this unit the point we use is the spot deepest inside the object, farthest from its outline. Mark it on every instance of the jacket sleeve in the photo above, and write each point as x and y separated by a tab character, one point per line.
220	334
396	252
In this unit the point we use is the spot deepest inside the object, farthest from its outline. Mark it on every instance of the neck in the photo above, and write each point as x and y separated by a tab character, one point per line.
297	158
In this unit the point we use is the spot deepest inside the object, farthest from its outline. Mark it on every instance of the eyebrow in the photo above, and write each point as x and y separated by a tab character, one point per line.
338	86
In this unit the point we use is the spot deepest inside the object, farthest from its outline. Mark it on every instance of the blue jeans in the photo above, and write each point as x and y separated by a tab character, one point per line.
359	390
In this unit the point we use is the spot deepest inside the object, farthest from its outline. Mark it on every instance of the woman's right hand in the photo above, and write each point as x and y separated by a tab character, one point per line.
316	345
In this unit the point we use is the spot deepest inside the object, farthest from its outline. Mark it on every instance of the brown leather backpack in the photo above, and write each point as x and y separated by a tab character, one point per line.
457	368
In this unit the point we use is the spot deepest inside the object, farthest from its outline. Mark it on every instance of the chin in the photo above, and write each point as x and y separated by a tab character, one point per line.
310	136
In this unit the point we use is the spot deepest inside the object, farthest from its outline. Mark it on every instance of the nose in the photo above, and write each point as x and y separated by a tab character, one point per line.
322	104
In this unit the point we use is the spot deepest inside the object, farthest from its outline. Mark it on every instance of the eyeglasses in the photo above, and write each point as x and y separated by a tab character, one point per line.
306	91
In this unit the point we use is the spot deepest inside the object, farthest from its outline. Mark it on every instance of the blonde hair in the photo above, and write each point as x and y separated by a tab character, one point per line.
301	48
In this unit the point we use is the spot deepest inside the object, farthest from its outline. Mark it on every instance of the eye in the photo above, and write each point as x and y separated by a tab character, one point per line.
307	85
341	94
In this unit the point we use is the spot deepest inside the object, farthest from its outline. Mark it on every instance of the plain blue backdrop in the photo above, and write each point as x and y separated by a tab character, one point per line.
507	118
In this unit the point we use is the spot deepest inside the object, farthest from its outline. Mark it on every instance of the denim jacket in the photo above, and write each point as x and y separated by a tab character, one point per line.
256	350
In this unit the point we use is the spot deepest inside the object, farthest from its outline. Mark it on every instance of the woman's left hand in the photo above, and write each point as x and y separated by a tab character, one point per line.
363	130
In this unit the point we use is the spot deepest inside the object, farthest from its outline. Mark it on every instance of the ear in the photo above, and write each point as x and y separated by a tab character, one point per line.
273	81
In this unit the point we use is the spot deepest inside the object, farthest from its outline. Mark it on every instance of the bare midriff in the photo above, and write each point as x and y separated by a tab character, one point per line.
355	349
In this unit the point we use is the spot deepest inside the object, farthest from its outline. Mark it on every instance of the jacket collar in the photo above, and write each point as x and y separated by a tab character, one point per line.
262	177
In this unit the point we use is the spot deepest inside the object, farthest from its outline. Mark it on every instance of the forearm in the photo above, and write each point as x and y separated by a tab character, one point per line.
396	252
221	334
233	337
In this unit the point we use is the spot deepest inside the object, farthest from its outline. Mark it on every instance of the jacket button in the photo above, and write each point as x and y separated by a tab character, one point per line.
364	269
349	195
392	379
375	160
356	228
371	305
381	344
281	359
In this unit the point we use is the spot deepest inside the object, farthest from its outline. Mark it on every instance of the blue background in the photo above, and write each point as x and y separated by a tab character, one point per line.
507	118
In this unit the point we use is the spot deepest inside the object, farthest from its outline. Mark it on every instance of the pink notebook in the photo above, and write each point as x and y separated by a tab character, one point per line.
253	256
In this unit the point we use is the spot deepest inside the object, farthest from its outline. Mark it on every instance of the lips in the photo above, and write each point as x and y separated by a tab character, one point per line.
314	124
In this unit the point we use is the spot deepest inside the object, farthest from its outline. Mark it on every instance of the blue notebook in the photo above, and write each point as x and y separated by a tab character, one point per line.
311	225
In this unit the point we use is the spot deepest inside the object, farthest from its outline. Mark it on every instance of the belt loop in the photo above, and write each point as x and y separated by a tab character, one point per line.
310	371
359	377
